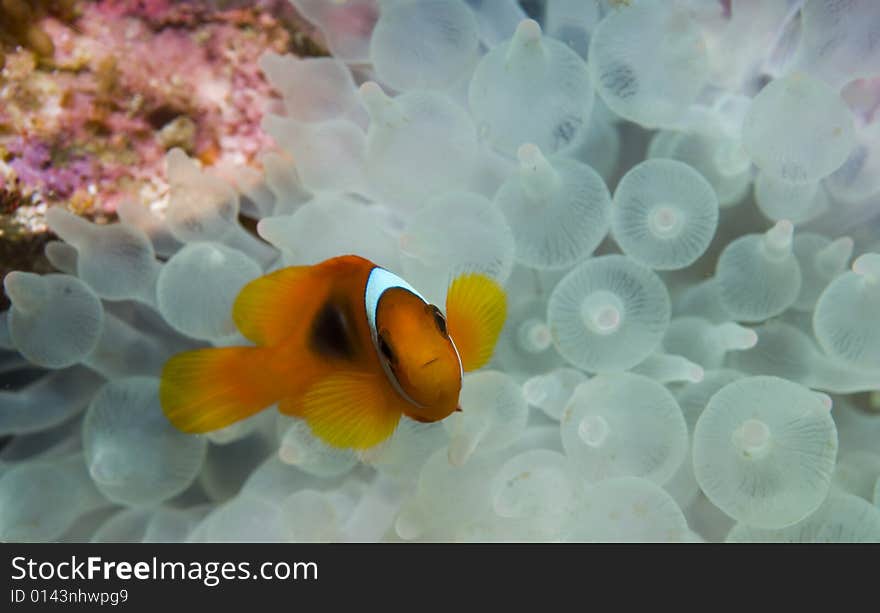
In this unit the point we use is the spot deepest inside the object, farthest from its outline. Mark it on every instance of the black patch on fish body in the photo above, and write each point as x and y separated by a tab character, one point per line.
331	334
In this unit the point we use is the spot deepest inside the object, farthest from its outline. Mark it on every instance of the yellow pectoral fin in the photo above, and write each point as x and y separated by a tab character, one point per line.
265	310
350	409
476	307
208	389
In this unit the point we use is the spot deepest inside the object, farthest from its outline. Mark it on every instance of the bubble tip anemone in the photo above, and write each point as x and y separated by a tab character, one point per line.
27	291
868	266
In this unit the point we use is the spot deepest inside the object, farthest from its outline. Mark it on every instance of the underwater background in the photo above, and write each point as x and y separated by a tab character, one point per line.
681	199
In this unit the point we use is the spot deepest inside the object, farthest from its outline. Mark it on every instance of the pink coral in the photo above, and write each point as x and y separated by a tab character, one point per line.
131	79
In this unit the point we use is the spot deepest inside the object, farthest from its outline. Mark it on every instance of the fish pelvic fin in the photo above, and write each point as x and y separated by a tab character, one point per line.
476	307
347	409
209	389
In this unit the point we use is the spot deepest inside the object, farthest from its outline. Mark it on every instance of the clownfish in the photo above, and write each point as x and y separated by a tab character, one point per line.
346	345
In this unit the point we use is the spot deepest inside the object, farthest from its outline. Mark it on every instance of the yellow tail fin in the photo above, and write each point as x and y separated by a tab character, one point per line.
208	389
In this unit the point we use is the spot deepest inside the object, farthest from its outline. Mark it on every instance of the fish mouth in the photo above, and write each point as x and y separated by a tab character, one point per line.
429	362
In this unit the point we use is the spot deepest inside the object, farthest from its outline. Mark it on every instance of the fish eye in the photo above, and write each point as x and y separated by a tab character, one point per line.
439	319
385	349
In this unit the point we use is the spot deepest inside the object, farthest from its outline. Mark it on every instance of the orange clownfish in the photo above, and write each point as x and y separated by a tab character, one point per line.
344	344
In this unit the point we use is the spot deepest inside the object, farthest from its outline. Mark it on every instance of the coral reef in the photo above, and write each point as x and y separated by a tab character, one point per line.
19	24
679	198
95	93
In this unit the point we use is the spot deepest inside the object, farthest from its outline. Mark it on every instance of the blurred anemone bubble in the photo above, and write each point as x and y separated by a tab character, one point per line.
821	260
493	415
648	62
337	142
453	233
198	285
845	320
424	44
764	451
133	454
705	343
558	209
314	89
775	134
551	391
758	275
525	346
627	509
537	487
42	499
513	93
609	313
417	144
836	41
664	215
798	203
344	224
618	425
787	351
717	157
842	518
117	261
299	448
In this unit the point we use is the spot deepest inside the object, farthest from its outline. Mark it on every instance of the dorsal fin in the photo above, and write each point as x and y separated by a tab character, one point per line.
269	309
265	310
